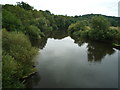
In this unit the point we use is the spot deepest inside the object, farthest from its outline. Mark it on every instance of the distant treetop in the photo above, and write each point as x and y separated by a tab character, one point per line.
24	5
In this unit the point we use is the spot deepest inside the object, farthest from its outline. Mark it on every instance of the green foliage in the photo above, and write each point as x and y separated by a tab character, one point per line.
82	25
73	27
112	20
44	20
34	33
77	33
21	19
60	22
77	27
24	5
19	47
118	35
97	35
112	34
85	34
44	25
99	23
10	69
10	21
101	29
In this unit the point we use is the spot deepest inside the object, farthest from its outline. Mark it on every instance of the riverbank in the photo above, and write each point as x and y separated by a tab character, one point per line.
17	59
99	30
24	28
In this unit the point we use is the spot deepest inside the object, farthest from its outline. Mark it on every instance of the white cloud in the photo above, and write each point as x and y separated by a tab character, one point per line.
73	7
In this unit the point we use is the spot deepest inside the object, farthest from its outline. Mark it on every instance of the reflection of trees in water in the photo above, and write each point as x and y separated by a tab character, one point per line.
96	50
33	80
40	43
58	34
53	34
78	41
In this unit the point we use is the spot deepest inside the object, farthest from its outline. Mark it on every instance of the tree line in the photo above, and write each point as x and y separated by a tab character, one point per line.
23	26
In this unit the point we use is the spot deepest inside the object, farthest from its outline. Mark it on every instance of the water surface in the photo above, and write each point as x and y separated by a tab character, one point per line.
65	63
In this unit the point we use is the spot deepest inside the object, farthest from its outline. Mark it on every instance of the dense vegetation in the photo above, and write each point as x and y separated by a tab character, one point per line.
23	26
98	29
17	58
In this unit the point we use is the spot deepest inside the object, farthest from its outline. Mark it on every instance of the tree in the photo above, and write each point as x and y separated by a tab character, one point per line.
10	68
78	26
24	5
99	28
17	59
100	23
60	21
34	32
10	21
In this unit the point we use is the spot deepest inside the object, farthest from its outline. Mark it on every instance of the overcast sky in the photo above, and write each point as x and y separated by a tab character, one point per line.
73	7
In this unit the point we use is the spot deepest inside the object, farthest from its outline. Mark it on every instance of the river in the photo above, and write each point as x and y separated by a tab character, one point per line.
68	63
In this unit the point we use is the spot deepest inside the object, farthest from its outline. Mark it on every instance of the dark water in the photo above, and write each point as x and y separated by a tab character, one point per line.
70	63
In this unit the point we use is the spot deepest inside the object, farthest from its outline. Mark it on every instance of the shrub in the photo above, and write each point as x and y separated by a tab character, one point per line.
10	69
111	34
77	33
10	21
19	47
78	26
100	29
34	33
99	23
96	35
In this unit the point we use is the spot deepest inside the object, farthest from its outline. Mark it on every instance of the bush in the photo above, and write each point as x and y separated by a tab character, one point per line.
100	23
118	35
10	21
78	26
97	35
111	34
34	33
77	33
100	29
19	47
10	69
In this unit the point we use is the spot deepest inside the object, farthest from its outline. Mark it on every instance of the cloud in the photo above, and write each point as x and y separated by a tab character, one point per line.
73	7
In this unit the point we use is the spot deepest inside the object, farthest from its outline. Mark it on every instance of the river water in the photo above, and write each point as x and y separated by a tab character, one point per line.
67	63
